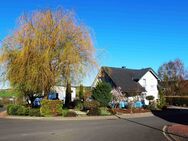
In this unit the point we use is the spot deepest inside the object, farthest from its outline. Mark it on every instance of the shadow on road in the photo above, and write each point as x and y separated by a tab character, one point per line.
152	127
179	116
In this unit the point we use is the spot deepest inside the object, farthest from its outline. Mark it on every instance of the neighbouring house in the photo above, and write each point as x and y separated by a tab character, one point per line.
61	92
57	92
132	82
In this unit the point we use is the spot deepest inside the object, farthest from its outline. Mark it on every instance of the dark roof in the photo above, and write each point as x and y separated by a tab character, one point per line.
127	79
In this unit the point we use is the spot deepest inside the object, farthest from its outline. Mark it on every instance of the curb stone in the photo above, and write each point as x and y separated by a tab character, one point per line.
113	117
166	134
173	136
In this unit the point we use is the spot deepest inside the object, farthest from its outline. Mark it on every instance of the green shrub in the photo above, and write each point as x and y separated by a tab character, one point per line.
102	93
27	111
94	112
177	101
19	110
81	92
150	97
151	106
13	109
104	111
8	108
70	114
64	112
162	101
79	105
51	107
112	111
34	112
91	105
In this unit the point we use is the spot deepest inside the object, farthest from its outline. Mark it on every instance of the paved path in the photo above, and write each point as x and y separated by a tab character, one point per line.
134	129
2	109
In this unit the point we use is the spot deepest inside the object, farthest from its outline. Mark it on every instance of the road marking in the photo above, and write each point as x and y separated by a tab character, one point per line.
166	135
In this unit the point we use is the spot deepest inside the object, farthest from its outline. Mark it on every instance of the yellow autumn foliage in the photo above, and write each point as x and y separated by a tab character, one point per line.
47	47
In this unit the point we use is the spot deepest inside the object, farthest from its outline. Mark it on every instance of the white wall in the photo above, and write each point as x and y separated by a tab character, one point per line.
62	92
149	82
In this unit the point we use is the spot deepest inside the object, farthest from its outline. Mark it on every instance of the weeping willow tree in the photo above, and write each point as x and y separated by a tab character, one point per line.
46	48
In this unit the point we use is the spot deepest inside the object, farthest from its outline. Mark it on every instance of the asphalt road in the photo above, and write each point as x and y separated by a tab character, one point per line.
138	129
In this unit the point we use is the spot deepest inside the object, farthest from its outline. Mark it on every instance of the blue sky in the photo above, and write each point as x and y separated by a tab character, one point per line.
132	33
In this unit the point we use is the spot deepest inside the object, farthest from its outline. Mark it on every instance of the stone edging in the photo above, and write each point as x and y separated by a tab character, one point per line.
81	117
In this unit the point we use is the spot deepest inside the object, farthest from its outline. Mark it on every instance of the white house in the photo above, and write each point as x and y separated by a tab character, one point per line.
61	91
143	82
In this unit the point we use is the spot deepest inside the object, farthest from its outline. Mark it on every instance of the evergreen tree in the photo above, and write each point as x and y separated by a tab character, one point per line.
68	95
102	93
81	92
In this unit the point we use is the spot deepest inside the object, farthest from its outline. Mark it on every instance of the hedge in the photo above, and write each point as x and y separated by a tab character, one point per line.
70	114
104	111
51	107
91	105
34	112
178	101
94	112
13	109
19	110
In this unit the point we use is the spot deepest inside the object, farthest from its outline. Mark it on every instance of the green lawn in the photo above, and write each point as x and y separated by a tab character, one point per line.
8	93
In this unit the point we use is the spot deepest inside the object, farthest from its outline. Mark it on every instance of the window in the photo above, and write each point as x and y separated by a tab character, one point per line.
144	82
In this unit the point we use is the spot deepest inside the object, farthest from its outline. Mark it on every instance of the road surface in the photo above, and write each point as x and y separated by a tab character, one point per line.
137	129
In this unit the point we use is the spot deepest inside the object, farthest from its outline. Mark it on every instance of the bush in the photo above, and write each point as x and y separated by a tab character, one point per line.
34	112
151	107
102	93
112	111
70	114
64	112
79	105
104	111
67	113
88	105
81	92
51	107
177	101
94	112
161	104
150	97
19	110
13	109
8	108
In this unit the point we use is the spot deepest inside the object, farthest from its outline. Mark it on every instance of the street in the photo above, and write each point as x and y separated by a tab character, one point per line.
142	129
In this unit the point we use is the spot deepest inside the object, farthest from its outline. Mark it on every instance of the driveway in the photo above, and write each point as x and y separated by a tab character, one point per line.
2	109
142	129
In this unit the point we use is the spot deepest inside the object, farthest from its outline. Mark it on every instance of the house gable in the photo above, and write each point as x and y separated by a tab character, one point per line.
118	77
150	82
103	76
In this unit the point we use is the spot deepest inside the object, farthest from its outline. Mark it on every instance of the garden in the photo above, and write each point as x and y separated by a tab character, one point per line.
95	102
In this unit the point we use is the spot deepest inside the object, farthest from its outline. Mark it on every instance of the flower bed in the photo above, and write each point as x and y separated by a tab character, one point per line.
134	110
